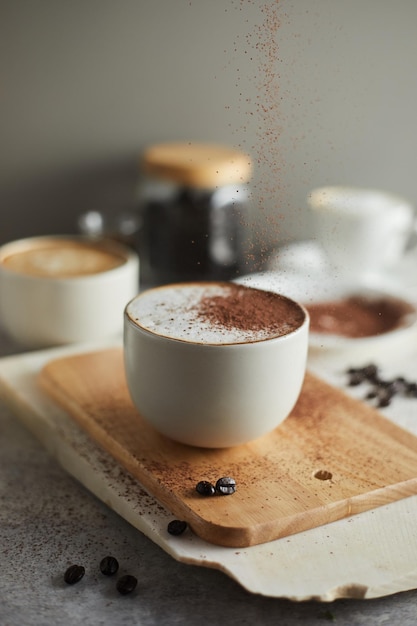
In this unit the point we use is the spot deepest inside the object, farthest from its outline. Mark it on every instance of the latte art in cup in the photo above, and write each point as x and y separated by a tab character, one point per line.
62	259
60	289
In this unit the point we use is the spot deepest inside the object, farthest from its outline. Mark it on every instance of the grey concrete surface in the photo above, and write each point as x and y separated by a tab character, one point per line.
49	521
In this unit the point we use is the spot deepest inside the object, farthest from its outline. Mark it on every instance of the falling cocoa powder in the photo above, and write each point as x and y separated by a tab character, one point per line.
261	112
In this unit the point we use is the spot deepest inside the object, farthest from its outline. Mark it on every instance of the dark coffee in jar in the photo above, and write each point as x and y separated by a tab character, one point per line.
193	213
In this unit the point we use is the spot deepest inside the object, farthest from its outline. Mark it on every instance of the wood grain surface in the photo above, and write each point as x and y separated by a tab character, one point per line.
333	457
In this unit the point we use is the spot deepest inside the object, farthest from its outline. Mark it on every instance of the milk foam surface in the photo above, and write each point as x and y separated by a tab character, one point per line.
63	259
173	311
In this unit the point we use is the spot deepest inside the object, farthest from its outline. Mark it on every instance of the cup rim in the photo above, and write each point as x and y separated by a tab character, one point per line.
323	197
200	344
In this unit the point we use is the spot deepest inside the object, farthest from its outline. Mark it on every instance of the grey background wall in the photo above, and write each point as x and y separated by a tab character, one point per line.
317	91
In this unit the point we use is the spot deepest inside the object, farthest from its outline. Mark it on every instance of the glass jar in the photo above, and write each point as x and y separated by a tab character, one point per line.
193	212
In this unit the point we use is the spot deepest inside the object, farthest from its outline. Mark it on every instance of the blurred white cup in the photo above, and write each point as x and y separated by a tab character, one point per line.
65	289
362	231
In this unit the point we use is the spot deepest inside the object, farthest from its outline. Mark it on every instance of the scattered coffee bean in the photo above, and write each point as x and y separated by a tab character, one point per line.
411	390
74	574
382	390
370	372
226	485
355	379
109	565
204	488
126	584
384	401
400	384
176	527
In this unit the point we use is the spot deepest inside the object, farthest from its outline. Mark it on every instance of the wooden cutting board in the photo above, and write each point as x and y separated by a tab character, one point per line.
333	457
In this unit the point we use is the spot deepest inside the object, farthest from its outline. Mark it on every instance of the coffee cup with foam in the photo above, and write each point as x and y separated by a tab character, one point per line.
214	364
65	289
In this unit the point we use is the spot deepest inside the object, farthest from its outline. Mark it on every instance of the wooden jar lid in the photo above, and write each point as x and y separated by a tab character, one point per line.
197	165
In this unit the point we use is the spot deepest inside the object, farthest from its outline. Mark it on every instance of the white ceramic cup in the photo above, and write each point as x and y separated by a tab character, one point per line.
361	231
65	289
204	385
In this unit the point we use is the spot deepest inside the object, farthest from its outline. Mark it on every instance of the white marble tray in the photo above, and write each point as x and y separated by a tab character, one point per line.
369	555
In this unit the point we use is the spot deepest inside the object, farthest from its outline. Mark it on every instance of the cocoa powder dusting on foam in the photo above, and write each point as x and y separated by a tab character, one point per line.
248	309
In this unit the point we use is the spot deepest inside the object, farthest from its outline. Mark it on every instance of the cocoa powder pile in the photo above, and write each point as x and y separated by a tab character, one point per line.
249	309
358	316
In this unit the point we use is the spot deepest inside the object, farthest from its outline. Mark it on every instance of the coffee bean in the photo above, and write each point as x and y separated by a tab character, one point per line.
383	403
204	488
411	390
400	384
176	527
109	565
382	390
226	485
384	384
384	400
74	574
356	378
126	584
